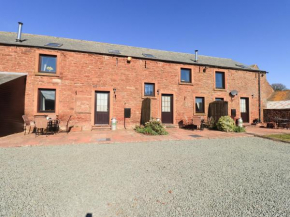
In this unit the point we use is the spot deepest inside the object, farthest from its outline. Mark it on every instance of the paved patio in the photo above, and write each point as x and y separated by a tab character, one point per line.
124	136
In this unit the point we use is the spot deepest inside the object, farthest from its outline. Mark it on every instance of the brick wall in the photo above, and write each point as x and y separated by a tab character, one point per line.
80	74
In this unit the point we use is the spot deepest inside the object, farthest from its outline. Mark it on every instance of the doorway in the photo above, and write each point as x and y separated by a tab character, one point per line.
167	108
244	104
102	108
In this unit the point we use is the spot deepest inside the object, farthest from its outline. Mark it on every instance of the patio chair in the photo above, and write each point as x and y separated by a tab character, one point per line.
53	123
40	125
27	123
197	122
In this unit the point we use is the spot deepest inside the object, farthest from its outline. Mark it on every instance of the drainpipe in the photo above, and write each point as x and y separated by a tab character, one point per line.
259	95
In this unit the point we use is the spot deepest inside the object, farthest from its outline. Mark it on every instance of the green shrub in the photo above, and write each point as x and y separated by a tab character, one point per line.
152	127
239	129
226	123
212	124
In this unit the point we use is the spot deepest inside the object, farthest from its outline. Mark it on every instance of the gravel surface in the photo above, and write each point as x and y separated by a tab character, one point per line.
218	177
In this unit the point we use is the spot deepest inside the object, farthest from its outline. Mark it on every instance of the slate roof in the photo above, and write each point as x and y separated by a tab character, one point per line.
280	96
137	52
9	76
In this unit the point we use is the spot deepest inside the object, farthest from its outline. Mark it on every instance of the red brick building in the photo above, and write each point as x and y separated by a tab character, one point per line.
94	81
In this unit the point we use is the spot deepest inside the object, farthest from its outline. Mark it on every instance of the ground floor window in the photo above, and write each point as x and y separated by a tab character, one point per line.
46	100
149	89
199	104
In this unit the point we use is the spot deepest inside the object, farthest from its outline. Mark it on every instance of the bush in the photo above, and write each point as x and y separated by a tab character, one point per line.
212	124
226	123
152	127
239	129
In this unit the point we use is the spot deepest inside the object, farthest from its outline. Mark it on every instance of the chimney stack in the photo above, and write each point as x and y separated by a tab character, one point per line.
196	57
19	32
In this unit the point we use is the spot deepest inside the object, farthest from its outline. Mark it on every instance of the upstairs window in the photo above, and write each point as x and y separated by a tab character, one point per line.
149	89
46	100
220	80
47	64
199	104
219	99
185	75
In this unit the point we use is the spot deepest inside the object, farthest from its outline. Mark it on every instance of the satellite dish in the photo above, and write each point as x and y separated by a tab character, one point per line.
234	93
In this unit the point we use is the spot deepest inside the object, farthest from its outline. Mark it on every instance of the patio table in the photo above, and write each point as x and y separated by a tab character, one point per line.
52	124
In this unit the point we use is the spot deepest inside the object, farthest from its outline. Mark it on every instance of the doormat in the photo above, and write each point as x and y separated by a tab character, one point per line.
104	139
195	136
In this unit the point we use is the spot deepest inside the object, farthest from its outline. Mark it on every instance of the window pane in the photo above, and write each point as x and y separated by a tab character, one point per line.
102	102
220	80
199	104
48	64
166	103
149	89
46	100
186	75
219	99
243	105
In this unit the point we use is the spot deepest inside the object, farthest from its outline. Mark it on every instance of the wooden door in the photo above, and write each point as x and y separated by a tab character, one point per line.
167	108
244	104
102	108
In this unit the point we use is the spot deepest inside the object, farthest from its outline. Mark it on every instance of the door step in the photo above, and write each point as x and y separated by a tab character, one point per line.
170	125
101	127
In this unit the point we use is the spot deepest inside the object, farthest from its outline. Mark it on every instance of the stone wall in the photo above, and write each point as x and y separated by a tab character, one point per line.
79	75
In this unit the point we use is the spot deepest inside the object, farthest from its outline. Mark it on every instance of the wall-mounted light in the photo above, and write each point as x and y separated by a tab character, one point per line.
129	59
253	95
158	91
115	93
204	69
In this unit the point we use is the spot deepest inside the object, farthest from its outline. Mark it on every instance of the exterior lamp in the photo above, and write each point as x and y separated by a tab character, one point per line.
115	90
158	91
129	59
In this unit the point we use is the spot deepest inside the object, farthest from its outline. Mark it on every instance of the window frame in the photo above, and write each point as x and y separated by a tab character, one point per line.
39	99
149	83
203	102
223	79
39	63
190	75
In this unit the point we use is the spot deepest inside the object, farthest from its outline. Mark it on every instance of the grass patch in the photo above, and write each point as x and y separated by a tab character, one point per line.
282	137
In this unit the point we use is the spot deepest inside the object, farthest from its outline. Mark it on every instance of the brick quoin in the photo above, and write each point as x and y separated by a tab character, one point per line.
80	74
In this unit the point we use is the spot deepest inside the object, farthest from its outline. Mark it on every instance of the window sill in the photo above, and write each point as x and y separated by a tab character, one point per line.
222	90
150	97
184	83
199	114
46	74
44	113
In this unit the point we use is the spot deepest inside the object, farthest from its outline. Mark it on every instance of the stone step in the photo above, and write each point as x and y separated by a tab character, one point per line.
170	125
101	127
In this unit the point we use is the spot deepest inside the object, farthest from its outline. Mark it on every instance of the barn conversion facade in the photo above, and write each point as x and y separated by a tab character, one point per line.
95	82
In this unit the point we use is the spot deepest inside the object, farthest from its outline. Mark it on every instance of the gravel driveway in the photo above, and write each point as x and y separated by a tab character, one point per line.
220	177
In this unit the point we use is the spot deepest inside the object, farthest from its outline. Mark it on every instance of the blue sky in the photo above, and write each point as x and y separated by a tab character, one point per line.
251	32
